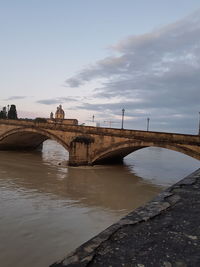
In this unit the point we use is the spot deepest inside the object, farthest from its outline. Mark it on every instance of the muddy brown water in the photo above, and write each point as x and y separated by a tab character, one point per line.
48	209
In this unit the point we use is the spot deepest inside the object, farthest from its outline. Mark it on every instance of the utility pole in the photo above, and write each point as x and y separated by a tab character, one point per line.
148	119
123	110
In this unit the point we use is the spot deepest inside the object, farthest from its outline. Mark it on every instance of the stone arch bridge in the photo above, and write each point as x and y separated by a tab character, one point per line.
92	145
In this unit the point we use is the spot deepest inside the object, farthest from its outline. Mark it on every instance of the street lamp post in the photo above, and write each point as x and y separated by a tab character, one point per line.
148	119
199	123
123	110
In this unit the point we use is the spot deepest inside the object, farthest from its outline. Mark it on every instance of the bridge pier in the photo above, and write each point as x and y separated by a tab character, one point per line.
79	153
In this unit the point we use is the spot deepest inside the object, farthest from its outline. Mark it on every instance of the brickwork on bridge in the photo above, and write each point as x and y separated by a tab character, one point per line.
91	145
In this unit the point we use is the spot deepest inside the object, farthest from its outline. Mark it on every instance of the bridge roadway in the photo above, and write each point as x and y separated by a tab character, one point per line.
92	145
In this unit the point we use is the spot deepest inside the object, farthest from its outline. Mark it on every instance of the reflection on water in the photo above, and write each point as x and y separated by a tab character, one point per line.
48	209
160	166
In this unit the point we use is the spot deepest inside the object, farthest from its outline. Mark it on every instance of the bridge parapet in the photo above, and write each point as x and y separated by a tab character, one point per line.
99	130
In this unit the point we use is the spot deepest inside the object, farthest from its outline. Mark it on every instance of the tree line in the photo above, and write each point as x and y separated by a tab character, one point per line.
9	112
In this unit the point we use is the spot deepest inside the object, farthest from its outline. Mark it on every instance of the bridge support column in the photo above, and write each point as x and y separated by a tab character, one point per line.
79	151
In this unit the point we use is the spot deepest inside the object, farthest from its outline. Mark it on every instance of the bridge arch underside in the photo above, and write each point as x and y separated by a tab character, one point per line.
115	154
26	139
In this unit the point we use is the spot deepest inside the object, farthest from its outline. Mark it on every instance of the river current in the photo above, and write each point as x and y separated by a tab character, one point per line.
48	209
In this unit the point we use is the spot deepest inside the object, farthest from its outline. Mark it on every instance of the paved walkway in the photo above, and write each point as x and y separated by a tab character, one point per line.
165	232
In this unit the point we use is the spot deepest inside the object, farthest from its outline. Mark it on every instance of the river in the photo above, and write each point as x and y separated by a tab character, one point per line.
48	209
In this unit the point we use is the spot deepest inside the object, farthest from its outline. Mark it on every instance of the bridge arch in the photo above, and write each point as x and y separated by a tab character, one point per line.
27	138
116	152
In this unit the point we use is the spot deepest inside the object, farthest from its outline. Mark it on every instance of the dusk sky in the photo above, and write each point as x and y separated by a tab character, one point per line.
96	57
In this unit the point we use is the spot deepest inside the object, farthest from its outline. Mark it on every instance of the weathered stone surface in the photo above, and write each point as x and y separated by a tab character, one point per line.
165	232
91	145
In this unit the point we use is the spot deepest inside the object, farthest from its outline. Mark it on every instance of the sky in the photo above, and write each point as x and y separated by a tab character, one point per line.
97	57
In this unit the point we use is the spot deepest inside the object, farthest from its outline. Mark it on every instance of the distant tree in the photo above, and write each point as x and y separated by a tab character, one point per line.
12	113
3	113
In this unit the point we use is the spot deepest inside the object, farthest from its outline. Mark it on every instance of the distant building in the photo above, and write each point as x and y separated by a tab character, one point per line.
60	114
51	116
93	123
60	117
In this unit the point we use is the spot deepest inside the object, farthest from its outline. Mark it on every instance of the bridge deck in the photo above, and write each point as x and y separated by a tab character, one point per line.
90	129
92	145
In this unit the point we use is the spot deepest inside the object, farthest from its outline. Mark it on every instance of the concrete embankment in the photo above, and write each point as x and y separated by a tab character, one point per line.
165	232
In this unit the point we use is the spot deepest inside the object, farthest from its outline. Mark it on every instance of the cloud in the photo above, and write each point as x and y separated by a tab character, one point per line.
15	98
157	72
58	100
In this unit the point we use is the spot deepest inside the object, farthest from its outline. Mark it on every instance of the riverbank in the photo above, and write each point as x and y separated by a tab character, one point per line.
164	232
